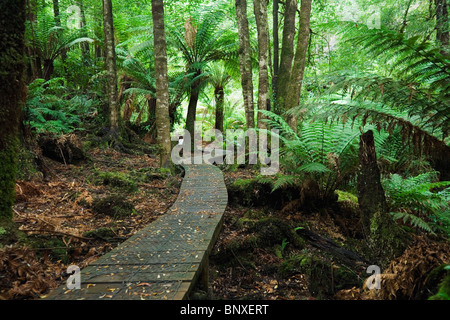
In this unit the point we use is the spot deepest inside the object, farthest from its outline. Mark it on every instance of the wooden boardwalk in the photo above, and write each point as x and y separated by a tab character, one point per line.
168	257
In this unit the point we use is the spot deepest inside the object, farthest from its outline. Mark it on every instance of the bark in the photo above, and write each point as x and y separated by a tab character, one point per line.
35	61
162	83
85	49
345	256
385	239
12	96
48	69
276	53
111	68
219	96
260	9
442	29
192	110
58	23
287	50
245	63
298	67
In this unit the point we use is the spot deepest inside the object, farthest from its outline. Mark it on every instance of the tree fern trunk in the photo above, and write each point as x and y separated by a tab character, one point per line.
162	83
12	96
219	97
192	110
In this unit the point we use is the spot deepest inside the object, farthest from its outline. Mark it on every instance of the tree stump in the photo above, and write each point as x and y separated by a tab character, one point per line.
385	239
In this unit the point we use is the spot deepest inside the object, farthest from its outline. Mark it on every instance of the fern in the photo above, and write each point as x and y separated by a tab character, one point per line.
414	199
415	97
325	152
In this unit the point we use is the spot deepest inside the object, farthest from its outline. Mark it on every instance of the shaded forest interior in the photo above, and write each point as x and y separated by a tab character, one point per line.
94	96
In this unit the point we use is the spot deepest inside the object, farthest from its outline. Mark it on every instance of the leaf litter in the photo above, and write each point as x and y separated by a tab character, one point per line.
57	211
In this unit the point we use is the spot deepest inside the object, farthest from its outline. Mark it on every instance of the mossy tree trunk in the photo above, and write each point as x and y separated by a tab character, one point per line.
162	83
111	68
12	96
287	50
385	239
292	97
245	62
260	10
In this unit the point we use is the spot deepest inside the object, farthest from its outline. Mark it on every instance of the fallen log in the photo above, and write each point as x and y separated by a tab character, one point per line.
345	256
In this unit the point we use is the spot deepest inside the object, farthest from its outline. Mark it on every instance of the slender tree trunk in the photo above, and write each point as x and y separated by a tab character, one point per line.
287	51
58	23
35	61
162	83
260	9
98	50
85	49
219	96
245	63
298	67
385	239
111	68
442	28
12	96
276	53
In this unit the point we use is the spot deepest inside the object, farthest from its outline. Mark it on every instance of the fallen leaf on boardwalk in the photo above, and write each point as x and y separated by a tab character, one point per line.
144	284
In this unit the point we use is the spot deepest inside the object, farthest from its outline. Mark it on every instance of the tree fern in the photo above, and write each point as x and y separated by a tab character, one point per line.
415	97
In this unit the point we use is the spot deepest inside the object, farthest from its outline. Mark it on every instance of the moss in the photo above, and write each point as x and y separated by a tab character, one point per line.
26	166
346	196
101	233
259	192
444	290
8	170
56	249
272	230
146	175
386	238
10	233
117	180
114	205
439	278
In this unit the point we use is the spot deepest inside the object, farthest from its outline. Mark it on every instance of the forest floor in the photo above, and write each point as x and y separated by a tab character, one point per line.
65	220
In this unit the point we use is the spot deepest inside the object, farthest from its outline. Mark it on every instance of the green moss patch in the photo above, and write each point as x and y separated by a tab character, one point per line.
115	205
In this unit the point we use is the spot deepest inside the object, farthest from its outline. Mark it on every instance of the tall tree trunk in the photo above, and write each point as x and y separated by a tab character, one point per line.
162	83
298	67
98	50
12	96
442	28
385	239
219	96
276	50
35	61
287	51
58	23
111	68
245	62
85	44
260	9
